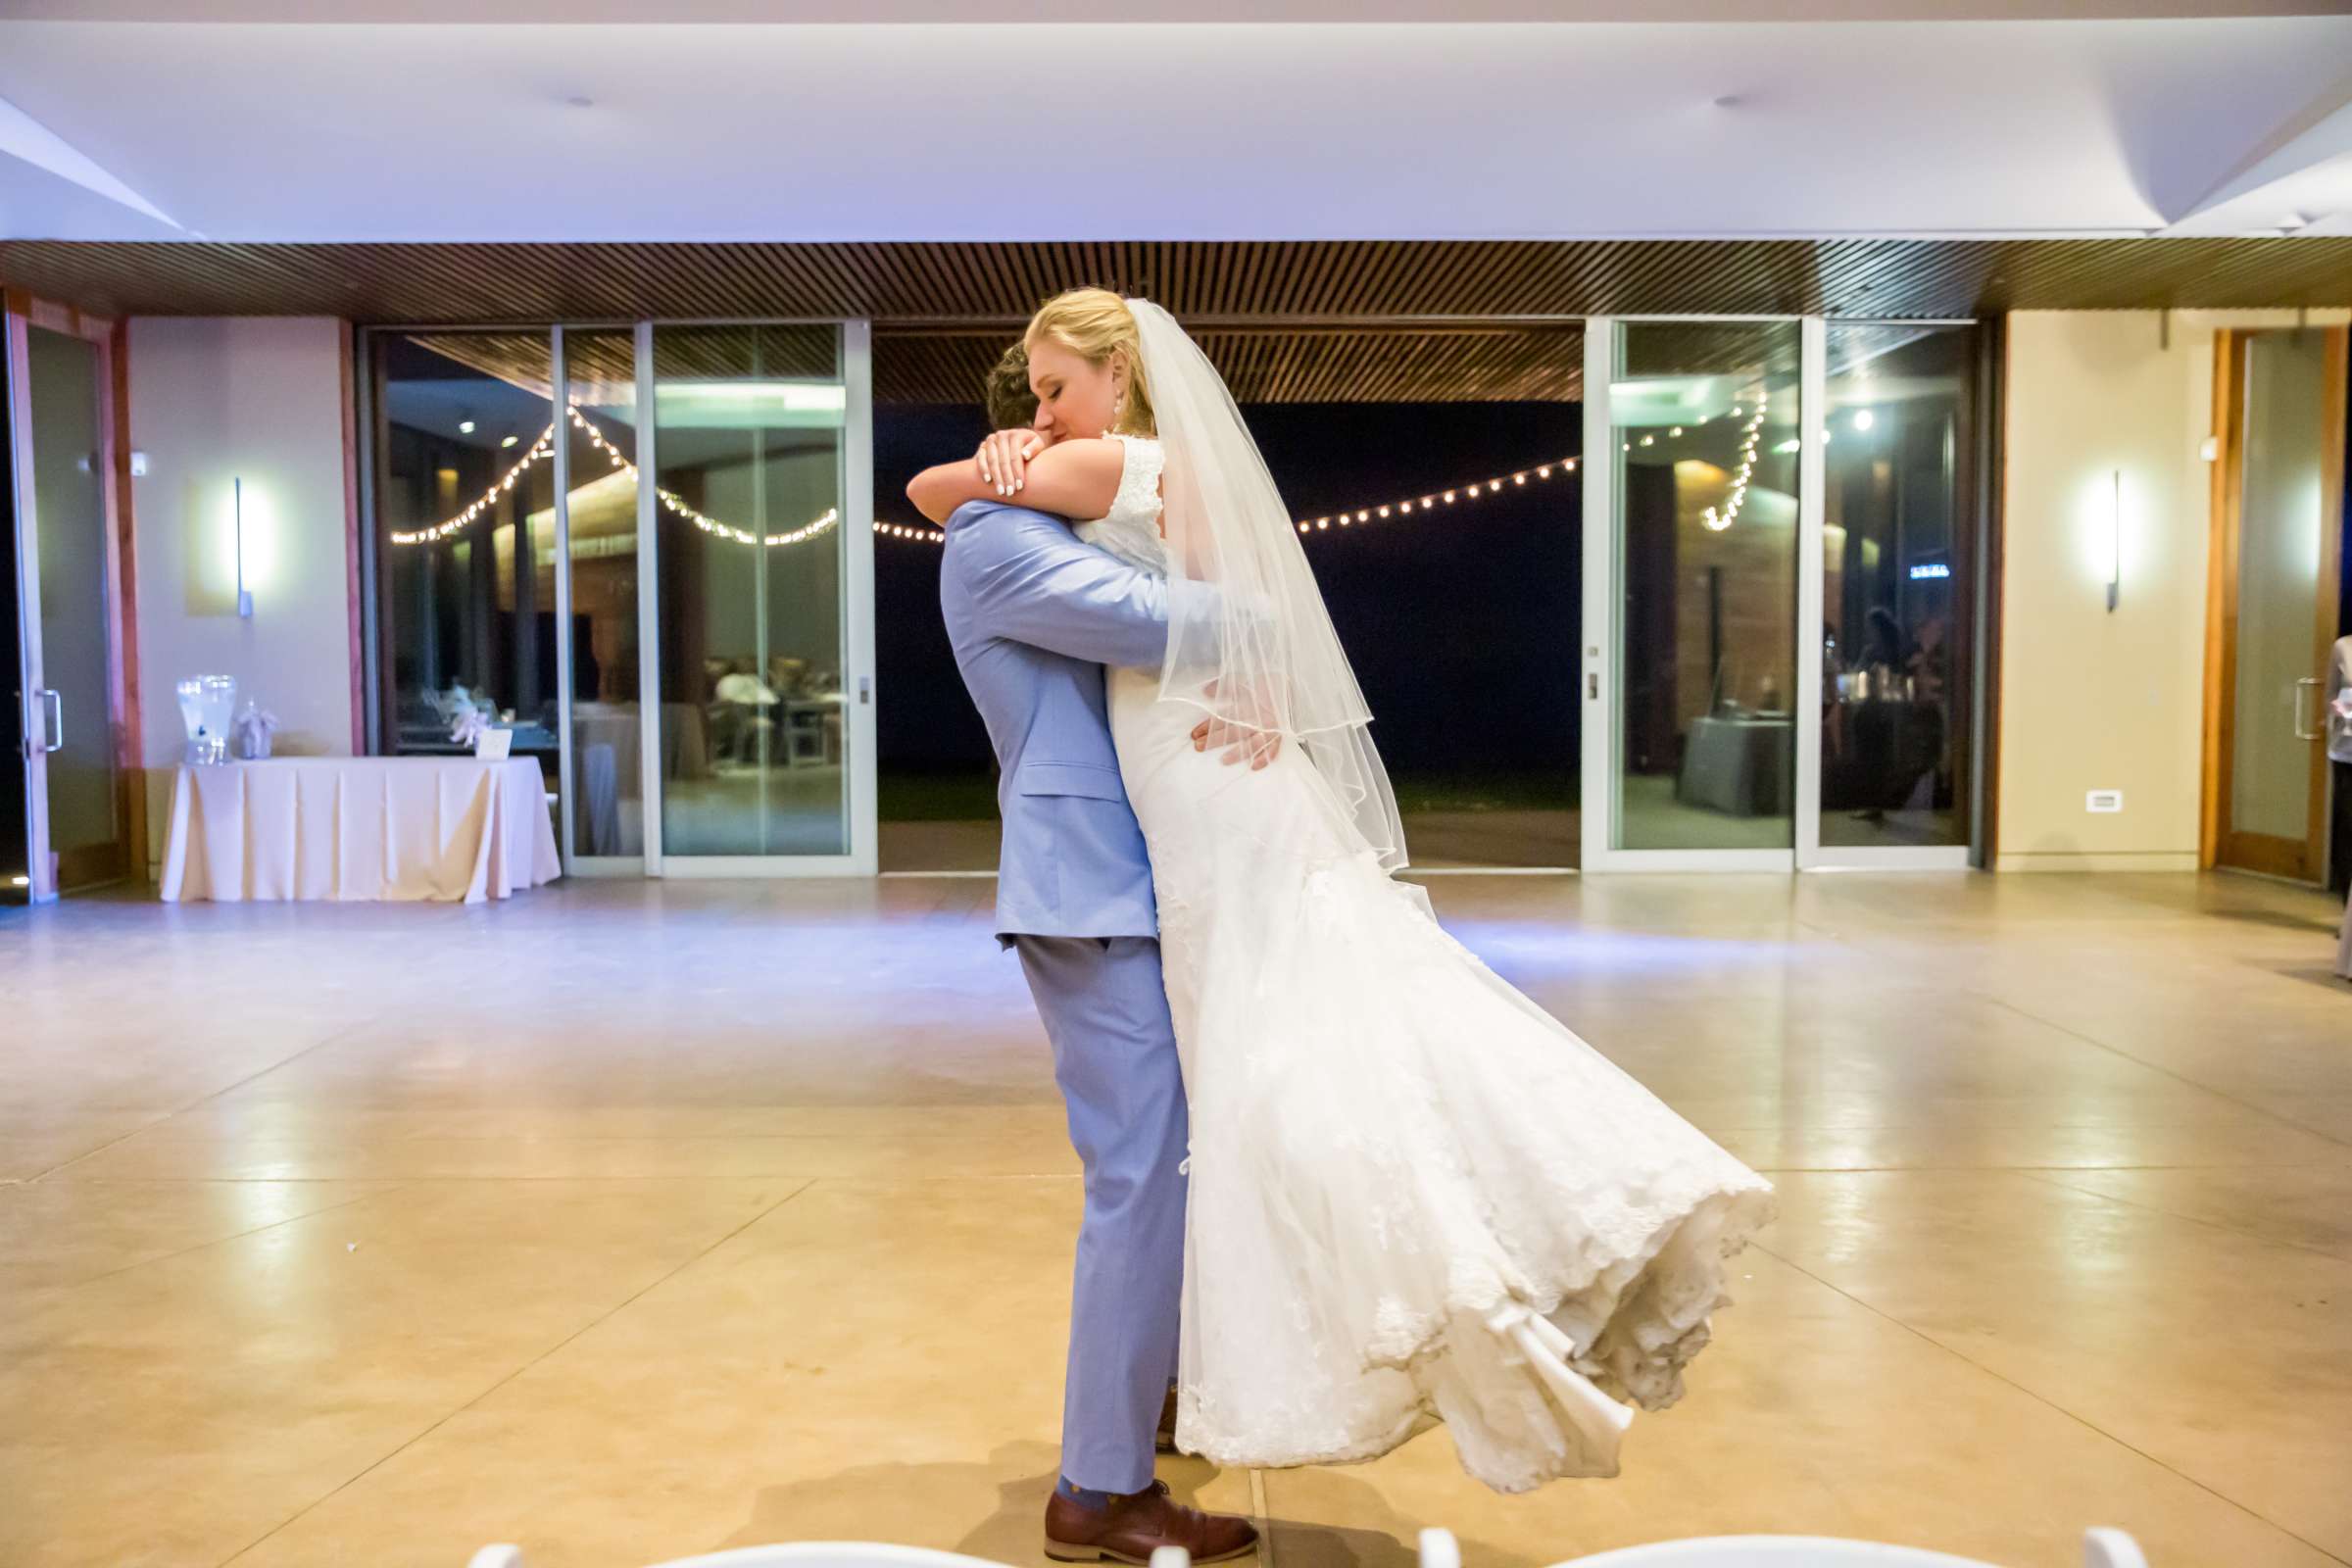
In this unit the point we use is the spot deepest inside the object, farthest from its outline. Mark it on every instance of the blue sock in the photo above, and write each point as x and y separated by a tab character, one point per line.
1082	1496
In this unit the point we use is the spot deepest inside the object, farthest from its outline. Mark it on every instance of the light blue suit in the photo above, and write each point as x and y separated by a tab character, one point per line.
1034	614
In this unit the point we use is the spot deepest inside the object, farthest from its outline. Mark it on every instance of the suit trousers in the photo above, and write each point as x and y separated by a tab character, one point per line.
1106	1011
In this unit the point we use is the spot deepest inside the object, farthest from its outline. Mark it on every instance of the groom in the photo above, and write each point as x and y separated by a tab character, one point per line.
1034	616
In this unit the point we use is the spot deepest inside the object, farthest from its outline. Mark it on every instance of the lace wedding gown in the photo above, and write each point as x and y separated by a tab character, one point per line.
1414	1193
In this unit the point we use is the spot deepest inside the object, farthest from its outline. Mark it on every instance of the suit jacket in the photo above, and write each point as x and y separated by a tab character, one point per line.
1034	614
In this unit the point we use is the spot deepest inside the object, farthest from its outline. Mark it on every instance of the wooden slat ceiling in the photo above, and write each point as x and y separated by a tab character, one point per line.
1353	321
897	283
1272	364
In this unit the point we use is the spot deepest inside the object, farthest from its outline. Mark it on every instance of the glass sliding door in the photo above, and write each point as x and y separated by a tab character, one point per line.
1896	578
465	497
597	593
1781	577
662	579
1692	668
764	555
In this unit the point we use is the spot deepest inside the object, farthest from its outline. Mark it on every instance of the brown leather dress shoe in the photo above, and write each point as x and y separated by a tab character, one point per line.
1131	1528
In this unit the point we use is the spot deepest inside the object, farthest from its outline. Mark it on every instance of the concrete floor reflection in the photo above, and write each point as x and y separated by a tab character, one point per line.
628	1220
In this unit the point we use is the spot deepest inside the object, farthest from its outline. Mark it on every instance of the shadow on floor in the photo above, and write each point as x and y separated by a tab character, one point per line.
849	1504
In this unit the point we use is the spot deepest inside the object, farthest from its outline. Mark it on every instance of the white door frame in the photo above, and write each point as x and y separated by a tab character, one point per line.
1604	594
863	859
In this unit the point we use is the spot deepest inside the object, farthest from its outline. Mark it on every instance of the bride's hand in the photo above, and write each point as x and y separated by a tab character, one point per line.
1004	460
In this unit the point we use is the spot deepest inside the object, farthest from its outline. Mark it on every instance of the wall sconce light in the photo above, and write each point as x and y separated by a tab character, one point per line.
244	594
2115	571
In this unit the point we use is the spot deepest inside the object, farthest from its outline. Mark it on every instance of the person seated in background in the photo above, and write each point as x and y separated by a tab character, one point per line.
739	716
788	676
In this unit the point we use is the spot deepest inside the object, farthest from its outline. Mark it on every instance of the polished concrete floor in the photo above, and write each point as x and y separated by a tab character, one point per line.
628	1220
1501	837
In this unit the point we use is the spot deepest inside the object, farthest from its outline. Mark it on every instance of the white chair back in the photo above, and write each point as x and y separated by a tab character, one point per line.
2111	1548
1772	1551
2101	1548
797	1554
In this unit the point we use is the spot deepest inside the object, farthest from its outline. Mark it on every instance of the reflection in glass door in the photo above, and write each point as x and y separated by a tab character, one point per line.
765	638
1690	536
1896	574
463	497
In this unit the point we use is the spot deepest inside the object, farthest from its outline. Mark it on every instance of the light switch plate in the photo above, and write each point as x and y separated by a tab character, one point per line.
2103	801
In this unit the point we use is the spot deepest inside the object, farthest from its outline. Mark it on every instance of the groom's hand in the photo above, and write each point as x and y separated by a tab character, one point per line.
1258	743
1259	746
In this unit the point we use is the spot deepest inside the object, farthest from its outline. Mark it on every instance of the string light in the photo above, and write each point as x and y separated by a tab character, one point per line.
1749	436
1351	517
915	534
544	448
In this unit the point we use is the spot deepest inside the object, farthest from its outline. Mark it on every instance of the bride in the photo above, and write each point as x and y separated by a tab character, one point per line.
1414	1195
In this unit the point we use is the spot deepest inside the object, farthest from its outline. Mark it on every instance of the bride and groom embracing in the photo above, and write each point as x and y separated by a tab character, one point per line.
1341	1181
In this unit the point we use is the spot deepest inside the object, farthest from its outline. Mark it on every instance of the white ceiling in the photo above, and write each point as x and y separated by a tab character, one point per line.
227	122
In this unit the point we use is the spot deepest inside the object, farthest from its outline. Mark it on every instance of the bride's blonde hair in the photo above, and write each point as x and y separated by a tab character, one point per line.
1094	323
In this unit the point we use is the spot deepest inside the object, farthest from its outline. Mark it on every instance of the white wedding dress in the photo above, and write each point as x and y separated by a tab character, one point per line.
1414	1193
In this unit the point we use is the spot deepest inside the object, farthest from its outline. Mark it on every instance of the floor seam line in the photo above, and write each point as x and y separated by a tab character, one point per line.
203	1099
605	1316
223	1241
2092	1041
2049	1178
2044	1401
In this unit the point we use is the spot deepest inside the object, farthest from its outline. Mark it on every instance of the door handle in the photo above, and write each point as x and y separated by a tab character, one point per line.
53	721
865	690
2315	731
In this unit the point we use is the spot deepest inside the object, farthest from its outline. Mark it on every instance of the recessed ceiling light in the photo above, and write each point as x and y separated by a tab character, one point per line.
464	427
510	441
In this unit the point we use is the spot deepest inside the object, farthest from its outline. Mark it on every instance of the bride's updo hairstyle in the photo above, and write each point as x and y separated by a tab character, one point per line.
1096	324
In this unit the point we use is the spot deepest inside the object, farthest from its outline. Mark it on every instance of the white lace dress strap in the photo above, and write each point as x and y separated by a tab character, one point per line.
1130	529
1138	478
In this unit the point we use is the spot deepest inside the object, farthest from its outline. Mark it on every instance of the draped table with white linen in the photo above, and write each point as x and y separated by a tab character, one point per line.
355	828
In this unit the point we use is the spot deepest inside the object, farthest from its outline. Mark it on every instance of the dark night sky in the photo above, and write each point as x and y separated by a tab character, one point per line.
1461	624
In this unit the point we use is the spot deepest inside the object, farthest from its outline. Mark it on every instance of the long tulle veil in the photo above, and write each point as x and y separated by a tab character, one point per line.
1249	636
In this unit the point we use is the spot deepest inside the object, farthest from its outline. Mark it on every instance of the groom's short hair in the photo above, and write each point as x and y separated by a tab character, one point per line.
1011	405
